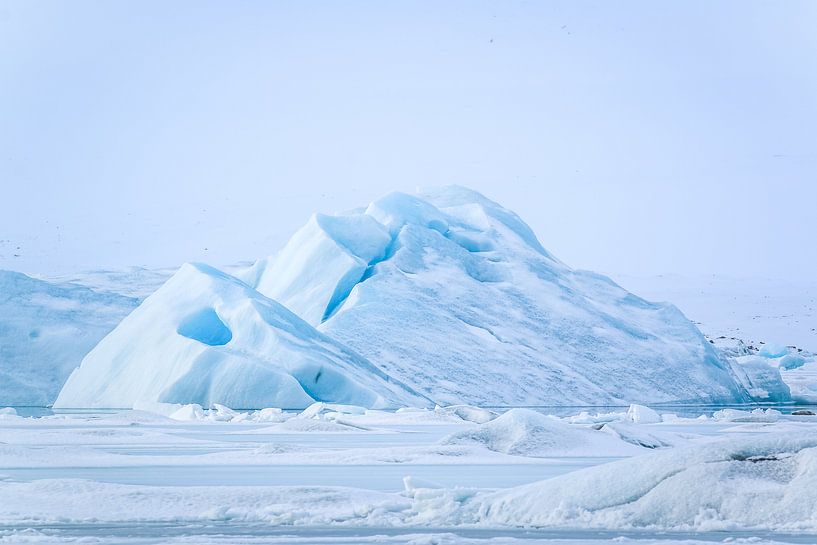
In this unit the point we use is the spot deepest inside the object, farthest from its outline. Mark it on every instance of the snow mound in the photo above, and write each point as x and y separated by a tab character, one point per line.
205	337
524	432
448	292
45	330
758	483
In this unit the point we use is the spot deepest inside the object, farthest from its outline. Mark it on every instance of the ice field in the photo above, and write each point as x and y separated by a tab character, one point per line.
181	474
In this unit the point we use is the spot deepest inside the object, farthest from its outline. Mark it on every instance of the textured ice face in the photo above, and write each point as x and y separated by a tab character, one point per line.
466	306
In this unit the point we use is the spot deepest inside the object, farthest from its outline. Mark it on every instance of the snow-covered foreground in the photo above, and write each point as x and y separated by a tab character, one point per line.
340	474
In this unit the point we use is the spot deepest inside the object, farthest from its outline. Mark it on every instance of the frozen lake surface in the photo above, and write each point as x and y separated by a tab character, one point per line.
136	477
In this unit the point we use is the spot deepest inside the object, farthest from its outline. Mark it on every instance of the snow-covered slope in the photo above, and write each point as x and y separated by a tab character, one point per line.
205	337
461	302
45	330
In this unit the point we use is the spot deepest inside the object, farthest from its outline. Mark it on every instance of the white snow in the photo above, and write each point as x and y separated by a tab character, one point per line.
205	337
100	473
765	483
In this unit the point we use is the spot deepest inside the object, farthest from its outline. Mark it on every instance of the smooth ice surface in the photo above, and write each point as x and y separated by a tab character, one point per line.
205	337
465	306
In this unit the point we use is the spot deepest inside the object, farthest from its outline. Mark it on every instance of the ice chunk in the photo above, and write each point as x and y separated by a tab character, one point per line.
192	411
319	408
791	361
756	415
269	414
205	338
643	415
773	350
760	379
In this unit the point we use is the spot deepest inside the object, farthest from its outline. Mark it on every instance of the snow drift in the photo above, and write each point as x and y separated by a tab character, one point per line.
524	432
205	337
758	483
453	295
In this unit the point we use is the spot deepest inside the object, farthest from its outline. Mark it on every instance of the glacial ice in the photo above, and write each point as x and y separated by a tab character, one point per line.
445	297
761	380
465	306
205	337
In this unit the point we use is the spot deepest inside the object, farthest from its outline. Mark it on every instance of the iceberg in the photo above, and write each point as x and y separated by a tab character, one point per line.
207	338
453	295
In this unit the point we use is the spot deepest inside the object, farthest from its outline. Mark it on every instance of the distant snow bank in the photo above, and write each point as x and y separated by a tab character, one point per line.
761	311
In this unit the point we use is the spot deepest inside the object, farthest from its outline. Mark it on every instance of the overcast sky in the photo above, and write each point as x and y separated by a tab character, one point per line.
634	137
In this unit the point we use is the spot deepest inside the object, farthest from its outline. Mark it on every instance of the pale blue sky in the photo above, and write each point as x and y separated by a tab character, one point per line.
634	137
